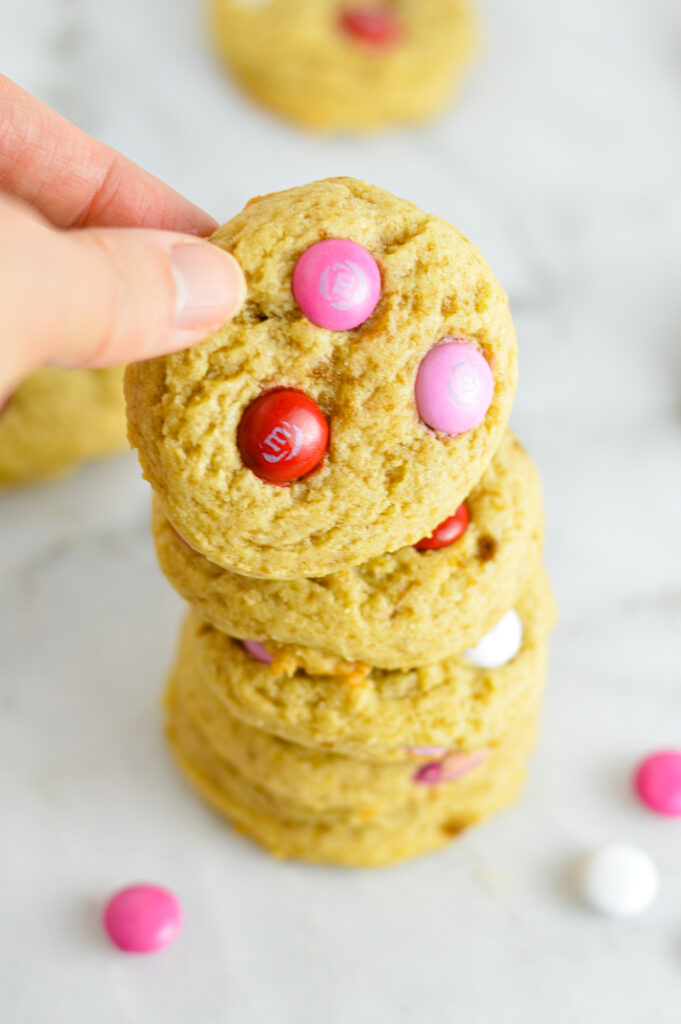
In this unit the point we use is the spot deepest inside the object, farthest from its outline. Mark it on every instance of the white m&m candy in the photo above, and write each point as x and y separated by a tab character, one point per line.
500	645
618	879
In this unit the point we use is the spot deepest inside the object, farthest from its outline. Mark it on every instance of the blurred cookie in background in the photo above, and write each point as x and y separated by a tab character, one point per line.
334	66
57	419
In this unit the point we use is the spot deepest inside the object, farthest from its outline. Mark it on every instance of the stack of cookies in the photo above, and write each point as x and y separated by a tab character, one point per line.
358	534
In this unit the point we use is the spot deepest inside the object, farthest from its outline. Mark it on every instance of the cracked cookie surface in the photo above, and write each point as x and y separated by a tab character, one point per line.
452	704
387	479
397	610
407	828
317	782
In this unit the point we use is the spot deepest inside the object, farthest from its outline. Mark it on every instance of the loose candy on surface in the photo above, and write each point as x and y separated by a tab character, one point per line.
143	918
447	532
454	387
337	284
258	651
453	767
657	781
500	645
282	435
376	27
618	879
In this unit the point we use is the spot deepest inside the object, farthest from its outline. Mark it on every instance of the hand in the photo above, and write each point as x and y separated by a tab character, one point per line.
100	263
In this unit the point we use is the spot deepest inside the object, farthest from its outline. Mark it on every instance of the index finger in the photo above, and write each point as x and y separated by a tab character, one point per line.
76	181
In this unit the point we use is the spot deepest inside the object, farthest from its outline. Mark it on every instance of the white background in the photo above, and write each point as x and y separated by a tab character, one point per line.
562	163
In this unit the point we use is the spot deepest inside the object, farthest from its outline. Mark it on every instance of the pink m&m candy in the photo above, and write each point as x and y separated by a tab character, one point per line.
454	387
453	767
257	651
658	782
143	918
337	284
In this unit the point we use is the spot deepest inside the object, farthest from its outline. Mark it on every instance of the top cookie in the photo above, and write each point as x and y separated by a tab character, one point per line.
351	405
337	65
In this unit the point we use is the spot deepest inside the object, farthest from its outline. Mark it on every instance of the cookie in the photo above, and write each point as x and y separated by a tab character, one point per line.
313	781
400	610
57	419
346	411
455	704
412	827
330	65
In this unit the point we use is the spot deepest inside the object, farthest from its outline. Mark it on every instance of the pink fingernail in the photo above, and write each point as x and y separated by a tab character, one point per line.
209	285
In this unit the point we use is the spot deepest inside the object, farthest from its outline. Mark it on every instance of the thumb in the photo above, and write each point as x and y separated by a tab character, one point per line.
99	297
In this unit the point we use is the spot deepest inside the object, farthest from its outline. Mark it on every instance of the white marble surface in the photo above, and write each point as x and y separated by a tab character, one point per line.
562	162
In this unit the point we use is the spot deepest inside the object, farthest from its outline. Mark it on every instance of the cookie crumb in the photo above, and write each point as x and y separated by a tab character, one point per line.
355	672
487	548
453	828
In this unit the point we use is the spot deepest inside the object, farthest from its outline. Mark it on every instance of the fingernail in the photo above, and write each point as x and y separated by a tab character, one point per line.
210	287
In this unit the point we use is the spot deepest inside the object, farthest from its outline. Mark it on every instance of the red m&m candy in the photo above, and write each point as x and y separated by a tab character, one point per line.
448	531
377	27
282	436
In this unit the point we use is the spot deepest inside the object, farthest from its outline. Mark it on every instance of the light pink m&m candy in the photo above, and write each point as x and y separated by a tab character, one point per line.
143	918
454	387
337	284
454	767
658	782
257	651
427	751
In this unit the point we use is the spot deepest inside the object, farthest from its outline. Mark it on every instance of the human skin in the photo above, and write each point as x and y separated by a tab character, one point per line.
101	263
